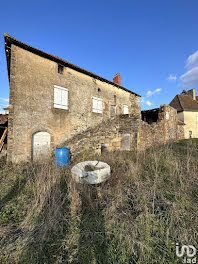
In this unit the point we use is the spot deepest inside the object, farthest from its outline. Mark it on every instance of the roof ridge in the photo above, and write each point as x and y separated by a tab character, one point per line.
11	40
180	101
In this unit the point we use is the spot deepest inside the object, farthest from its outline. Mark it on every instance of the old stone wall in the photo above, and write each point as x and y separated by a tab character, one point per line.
180	130
127	132
32	80
118	133
166	129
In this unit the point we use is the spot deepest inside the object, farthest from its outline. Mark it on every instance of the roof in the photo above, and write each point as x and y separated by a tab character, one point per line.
9	40
183	102
150	110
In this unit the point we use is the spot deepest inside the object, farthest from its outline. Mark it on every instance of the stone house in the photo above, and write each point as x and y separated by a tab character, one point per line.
187	111
55	103
52	100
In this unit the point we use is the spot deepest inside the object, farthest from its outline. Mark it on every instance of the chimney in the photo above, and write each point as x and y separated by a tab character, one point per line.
117	79
192	93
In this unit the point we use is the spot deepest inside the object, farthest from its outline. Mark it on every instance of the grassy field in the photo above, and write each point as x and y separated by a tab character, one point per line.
149	204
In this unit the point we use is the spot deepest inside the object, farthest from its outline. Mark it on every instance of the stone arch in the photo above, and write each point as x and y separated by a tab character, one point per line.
41	145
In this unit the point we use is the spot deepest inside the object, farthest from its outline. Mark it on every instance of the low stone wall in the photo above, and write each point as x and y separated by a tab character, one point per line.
126	132
119	132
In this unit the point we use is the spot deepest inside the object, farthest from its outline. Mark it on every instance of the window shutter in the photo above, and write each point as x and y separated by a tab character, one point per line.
57	96
64	98
60	97
96	105
126	110
99	106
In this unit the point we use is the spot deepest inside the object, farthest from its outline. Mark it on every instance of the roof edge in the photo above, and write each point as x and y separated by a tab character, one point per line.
11	40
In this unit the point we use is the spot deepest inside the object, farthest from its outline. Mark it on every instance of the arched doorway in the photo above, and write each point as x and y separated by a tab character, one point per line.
41	145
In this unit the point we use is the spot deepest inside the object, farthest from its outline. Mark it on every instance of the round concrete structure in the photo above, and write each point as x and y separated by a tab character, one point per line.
100	173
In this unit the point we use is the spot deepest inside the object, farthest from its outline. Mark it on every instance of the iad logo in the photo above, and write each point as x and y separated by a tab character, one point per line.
189	250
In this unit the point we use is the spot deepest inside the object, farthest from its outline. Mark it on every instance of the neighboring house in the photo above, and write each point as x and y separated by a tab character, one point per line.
52	100
187	111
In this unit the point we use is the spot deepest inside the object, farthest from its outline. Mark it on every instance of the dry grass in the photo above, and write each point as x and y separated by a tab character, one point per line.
149	204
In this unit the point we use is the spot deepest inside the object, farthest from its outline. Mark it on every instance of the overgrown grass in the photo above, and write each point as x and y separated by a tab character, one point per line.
149	204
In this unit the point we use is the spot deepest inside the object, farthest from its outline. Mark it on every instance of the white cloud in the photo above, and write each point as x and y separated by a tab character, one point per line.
4	99
190	77
172	77
145	102
192	60
142	100
150	93
148	103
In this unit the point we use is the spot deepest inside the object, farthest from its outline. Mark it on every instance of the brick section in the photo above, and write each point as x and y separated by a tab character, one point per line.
117	79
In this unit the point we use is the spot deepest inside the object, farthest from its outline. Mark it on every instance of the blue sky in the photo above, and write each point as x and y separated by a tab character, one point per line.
152	44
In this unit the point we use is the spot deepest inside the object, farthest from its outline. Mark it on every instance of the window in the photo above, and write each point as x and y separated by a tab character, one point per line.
60	97
60	68
112	110
97	105
167	115
126	110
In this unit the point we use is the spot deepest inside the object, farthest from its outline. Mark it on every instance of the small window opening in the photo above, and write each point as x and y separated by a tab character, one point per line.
150	116
60	68
115	101
99	90
167	116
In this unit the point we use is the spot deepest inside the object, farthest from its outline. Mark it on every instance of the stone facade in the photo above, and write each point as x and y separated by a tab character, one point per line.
32	80
127	132
35	122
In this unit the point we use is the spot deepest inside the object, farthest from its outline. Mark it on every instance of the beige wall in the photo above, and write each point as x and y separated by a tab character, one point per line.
32	96
191	124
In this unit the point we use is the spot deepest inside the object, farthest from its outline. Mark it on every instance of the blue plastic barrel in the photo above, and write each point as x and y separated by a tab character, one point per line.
62	157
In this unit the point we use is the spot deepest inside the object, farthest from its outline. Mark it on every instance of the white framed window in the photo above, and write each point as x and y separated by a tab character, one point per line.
167	116
126	109
60	97
96	105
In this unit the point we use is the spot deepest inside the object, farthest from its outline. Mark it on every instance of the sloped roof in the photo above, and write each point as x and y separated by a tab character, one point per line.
3	119
10	40
183	102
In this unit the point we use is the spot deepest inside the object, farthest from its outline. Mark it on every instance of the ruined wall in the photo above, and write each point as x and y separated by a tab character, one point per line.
164	130
32	80
127	132
118	133
180	130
